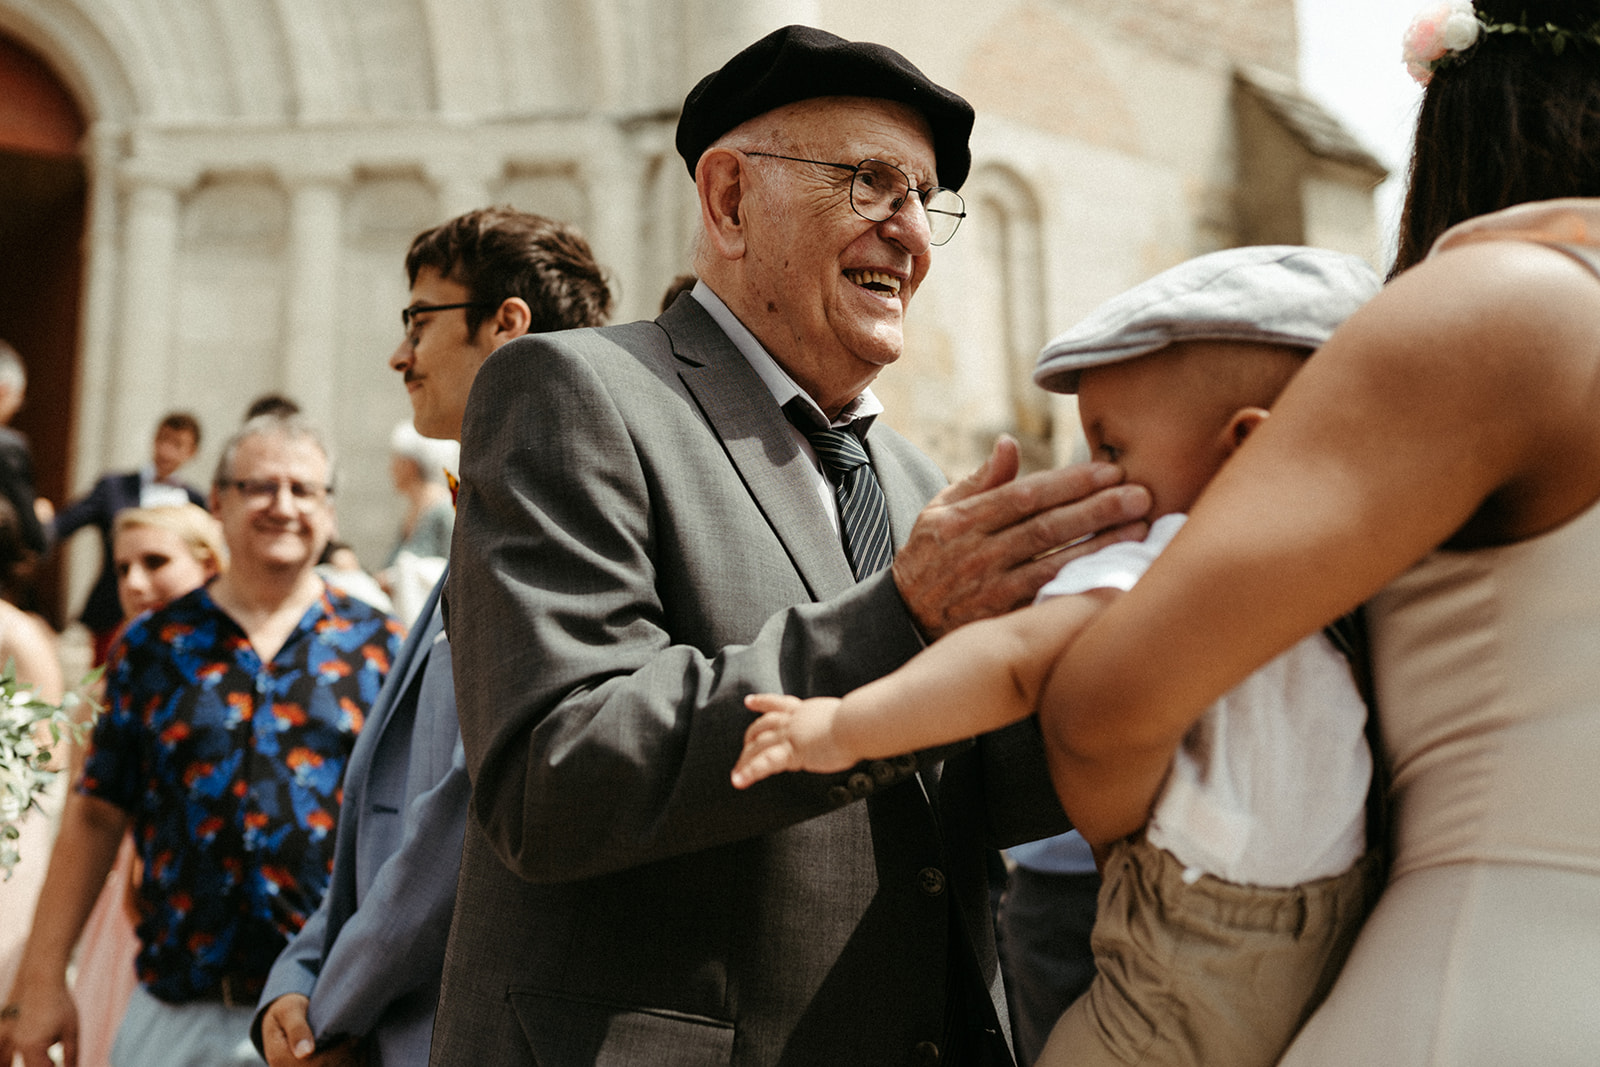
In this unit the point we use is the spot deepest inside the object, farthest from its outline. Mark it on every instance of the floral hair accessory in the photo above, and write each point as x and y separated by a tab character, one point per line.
1443	33
1437	36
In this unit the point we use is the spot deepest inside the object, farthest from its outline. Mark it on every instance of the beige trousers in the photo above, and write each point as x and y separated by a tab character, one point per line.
1205	975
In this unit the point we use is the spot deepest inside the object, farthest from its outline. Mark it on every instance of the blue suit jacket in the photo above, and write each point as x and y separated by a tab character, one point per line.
371	956
99	508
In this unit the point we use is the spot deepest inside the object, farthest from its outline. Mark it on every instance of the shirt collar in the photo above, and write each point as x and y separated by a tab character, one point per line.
863	409
147	476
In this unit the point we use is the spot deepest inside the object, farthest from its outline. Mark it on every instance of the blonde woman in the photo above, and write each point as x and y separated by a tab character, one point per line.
159	554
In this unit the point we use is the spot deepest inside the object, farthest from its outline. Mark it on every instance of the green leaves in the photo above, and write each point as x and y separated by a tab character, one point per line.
26	758
1556	38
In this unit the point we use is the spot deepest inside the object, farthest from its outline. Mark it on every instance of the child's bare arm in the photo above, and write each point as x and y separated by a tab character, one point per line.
978	678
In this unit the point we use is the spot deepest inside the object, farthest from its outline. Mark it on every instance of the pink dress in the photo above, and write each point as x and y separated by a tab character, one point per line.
20	892
105	978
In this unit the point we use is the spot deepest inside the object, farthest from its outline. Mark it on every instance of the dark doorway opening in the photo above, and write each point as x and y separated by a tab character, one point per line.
43	198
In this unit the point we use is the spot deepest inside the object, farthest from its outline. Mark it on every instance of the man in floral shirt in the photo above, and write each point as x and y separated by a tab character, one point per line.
230	715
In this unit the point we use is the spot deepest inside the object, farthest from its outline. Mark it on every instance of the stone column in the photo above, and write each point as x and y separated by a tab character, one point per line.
93	404
614	174
311	297
142	380
464	73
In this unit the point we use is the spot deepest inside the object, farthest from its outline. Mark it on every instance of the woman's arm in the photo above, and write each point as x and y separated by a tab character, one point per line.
1457	405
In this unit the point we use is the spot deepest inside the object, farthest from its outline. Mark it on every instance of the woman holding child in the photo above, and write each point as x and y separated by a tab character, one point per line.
1440	458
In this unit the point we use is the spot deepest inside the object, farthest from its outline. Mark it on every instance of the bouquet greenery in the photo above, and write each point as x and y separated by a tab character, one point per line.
27	759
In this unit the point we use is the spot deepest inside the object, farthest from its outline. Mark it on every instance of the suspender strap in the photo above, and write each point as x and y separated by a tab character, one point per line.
1349	636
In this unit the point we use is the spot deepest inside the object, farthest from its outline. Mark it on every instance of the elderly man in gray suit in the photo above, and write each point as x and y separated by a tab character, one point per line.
359	983
660	518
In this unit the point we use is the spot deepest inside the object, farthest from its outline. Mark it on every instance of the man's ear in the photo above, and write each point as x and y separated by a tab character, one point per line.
719	183
1242	425
510	321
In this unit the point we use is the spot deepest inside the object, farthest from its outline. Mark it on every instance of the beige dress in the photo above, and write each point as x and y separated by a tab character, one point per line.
20	892
1485	946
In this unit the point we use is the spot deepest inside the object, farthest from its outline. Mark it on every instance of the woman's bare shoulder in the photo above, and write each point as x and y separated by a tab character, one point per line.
1493	346
28	643
1493	288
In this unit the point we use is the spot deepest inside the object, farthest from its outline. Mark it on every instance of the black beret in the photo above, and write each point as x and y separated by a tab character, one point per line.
801	63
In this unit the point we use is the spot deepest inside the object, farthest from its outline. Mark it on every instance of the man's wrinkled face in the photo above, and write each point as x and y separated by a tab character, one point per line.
275	508
438	357
829	288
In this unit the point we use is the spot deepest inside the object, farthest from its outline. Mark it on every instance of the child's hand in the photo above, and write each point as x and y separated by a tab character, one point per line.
791	735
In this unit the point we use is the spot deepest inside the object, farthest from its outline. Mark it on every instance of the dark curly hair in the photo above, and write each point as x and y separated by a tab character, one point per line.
1515	120
500	252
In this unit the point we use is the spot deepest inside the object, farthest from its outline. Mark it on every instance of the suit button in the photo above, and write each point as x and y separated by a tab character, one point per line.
882	773
925	1054
839	796
860	784
931	880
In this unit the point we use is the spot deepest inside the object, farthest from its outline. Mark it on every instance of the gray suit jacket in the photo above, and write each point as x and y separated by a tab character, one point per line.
639	546
370	957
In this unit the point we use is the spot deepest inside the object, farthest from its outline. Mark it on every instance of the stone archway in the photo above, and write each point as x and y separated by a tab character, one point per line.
43	188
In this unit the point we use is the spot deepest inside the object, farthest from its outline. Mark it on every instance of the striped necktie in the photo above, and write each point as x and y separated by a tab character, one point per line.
863	512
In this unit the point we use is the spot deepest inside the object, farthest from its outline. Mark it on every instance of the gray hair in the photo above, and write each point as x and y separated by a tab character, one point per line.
288	427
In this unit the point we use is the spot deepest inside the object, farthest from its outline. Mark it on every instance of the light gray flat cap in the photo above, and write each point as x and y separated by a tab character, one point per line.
1272	294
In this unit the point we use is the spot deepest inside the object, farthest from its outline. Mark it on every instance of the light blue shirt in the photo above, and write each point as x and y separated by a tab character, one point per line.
785	390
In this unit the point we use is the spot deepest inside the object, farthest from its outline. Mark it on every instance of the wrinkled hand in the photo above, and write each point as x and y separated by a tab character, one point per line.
287	1041
45	1014
979	548
791	735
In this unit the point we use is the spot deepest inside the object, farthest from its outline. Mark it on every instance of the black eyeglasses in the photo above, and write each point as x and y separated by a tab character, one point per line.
258	492
878	190
408	315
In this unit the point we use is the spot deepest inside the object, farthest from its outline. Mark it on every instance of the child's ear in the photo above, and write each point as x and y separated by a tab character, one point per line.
1242	425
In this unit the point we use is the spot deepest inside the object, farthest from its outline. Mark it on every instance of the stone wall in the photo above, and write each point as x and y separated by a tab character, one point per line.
257	168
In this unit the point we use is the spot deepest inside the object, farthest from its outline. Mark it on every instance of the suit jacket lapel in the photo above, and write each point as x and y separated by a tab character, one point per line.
407	667
755	435
420	641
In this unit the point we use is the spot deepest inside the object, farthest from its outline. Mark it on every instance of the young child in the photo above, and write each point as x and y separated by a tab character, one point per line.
1221	926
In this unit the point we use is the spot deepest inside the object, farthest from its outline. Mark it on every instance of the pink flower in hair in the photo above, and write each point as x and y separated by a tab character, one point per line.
1438	31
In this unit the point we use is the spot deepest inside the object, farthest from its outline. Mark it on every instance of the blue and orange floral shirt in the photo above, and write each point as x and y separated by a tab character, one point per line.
231	769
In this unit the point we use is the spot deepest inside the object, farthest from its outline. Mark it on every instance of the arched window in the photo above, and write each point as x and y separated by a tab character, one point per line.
1007	312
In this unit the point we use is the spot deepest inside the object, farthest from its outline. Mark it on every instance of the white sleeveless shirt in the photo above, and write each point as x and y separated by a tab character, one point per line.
1269	787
